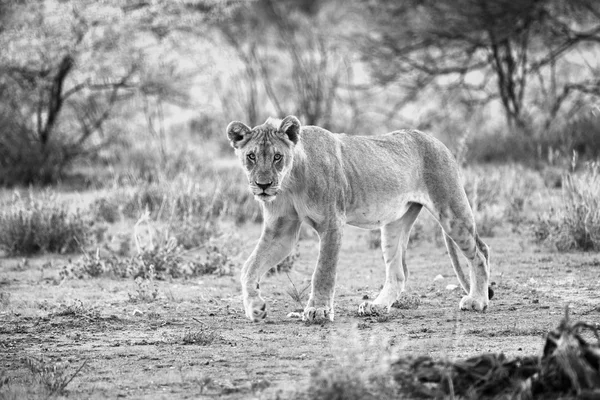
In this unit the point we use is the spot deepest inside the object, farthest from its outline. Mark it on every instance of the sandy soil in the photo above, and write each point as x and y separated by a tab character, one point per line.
194	341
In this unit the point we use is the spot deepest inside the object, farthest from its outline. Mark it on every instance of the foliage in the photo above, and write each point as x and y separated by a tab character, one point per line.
146	289
488	50
62	80
201	337
77	309
42	224
269	37
106	210
53	376
568	366
299	296
575	225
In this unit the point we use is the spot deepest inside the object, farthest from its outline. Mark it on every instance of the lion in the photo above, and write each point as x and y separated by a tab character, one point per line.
326	180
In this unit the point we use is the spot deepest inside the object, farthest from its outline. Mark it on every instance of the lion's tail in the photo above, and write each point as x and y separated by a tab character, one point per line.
451	246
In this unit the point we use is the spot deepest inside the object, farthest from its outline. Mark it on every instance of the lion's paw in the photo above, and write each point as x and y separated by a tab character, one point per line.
256	308
369	309
470	303
317	314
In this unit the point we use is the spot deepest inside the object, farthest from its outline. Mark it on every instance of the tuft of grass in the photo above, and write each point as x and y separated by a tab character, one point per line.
77	309
5	299
54	377
146	289
299	296
407	302
575	224
201	337
95	266
42	224
217	262
106	209
337	384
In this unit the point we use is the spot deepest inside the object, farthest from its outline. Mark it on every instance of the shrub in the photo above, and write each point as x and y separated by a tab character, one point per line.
202	337
575	225
194	231
95	266
217	262
34	225
54	377
105	209
146	289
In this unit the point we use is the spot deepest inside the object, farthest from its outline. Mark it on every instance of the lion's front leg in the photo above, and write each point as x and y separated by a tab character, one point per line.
276	242
320	303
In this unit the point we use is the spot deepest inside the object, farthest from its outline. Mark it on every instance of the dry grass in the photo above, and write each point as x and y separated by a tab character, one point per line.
575	223
568	366
53	377
42	223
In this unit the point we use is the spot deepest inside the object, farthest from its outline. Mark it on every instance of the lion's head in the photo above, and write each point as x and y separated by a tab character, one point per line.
266	152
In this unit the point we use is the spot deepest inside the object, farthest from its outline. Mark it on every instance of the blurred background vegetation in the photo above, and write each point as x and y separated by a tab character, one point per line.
122	106
91	89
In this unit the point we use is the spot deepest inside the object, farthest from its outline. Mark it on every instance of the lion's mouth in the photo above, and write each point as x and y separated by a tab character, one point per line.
264	196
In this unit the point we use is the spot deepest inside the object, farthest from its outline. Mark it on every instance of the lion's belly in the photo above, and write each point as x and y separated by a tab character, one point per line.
375	213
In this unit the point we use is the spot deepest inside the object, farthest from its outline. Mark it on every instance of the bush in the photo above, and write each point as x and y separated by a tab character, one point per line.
575	225
53	377
35	225
107	210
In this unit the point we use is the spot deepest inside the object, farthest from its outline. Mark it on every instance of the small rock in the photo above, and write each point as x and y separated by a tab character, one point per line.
451	287
294	315
137	312
438	278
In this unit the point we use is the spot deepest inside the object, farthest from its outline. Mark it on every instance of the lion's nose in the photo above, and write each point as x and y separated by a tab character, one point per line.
263	186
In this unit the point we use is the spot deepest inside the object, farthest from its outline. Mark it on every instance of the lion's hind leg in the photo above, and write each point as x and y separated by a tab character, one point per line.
394	241
461	233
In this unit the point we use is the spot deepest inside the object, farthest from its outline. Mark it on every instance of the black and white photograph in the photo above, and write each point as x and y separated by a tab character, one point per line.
300	199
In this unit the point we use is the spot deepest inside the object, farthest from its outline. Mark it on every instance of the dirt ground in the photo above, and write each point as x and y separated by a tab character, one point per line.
194	341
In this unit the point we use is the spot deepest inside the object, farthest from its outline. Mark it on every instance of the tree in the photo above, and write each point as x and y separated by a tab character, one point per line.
289	54
487	49
65	66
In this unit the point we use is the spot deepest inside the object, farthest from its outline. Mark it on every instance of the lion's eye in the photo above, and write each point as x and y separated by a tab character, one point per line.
251	157
277	157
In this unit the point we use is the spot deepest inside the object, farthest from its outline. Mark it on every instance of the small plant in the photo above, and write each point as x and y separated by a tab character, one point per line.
297	295
407	302
146	290
202	337
54	377
217	262
165	261
4	299
35	225
106	209
336	384
194	232
77	309
94	266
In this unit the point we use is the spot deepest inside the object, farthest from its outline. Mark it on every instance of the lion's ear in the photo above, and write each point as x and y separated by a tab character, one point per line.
291	127
236	132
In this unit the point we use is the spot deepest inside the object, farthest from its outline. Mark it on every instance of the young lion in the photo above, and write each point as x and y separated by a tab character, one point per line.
308	174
